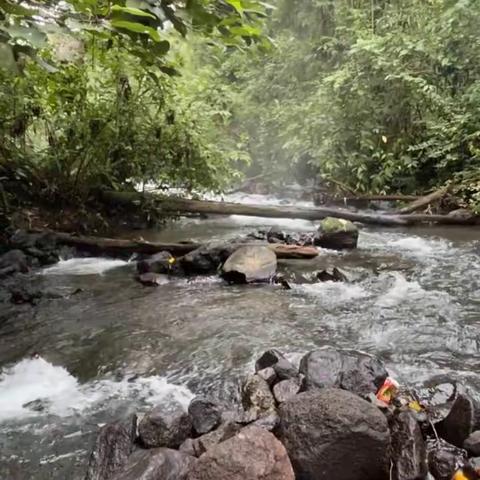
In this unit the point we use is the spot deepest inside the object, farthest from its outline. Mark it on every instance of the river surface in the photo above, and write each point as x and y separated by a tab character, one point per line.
117	347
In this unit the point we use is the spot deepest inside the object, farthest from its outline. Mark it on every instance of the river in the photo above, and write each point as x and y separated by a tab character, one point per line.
117	347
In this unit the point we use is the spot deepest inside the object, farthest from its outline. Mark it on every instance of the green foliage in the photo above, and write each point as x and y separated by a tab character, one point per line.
381	95
107	121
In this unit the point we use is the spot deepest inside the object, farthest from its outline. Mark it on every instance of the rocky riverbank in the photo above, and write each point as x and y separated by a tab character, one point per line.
327	418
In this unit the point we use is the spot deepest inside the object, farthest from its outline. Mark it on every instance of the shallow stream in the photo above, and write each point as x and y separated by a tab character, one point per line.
117	347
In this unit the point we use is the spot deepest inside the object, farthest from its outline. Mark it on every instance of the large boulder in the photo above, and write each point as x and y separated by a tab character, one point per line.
336	234
250	264
349	370
165	426
409	452
155	464
205	414
257	397
208	258
332	433
252	454
112	448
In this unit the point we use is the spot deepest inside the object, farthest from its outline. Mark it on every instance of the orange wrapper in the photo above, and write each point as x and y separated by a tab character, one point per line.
388	390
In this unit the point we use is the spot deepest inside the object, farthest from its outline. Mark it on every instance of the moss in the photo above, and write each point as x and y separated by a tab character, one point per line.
334	225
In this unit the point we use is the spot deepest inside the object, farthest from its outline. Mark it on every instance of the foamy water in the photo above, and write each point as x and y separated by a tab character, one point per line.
400	290
62	395
84	266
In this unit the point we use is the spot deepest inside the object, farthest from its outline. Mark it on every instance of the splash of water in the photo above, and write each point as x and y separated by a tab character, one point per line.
60	393
84	266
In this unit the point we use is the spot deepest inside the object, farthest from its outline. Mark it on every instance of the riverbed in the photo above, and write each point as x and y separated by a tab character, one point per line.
117	347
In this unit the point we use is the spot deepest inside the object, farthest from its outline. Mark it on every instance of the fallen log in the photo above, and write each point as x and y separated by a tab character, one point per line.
423	201
122	247
179	206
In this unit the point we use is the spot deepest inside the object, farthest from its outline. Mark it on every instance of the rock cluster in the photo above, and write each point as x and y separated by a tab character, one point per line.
322	420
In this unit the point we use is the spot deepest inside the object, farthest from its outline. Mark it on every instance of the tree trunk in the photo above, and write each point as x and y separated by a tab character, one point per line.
179	206
121	247
423	201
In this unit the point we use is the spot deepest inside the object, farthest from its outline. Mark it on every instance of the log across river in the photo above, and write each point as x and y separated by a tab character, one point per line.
174	205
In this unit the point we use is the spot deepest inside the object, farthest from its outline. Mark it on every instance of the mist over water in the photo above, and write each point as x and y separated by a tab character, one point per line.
117	347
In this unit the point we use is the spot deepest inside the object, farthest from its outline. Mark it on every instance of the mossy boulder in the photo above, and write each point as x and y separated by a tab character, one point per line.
336	234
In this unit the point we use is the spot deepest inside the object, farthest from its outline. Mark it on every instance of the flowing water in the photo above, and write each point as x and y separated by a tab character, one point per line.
117	347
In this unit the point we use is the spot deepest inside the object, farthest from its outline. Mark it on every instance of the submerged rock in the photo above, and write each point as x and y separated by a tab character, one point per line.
332	433
336	234
165	427
335	276
409	452
112	448
151	279
346	369
252	454
155	464
250	264
205	415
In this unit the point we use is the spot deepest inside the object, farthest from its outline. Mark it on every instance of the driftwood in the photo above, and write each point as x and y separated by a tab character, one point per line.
121	247
423	202
179	206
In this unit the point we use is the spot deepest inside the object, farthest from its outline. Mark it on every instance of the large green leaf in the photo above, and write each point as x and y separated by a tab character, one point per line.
136	28
132	11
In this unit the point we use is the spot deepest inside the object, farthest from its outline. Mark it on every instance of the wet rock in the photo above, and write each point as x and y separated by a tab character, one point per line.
276	235
205	415
472	444
252	454
42	246
275	359
250	264
286	389
162	262
346	369
268	374
152	279
335	276
444	459
155	464
332	433
336	234
409	452
198	446
13	261
257	397
112	448
165	426
269	422
458	424
208	258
